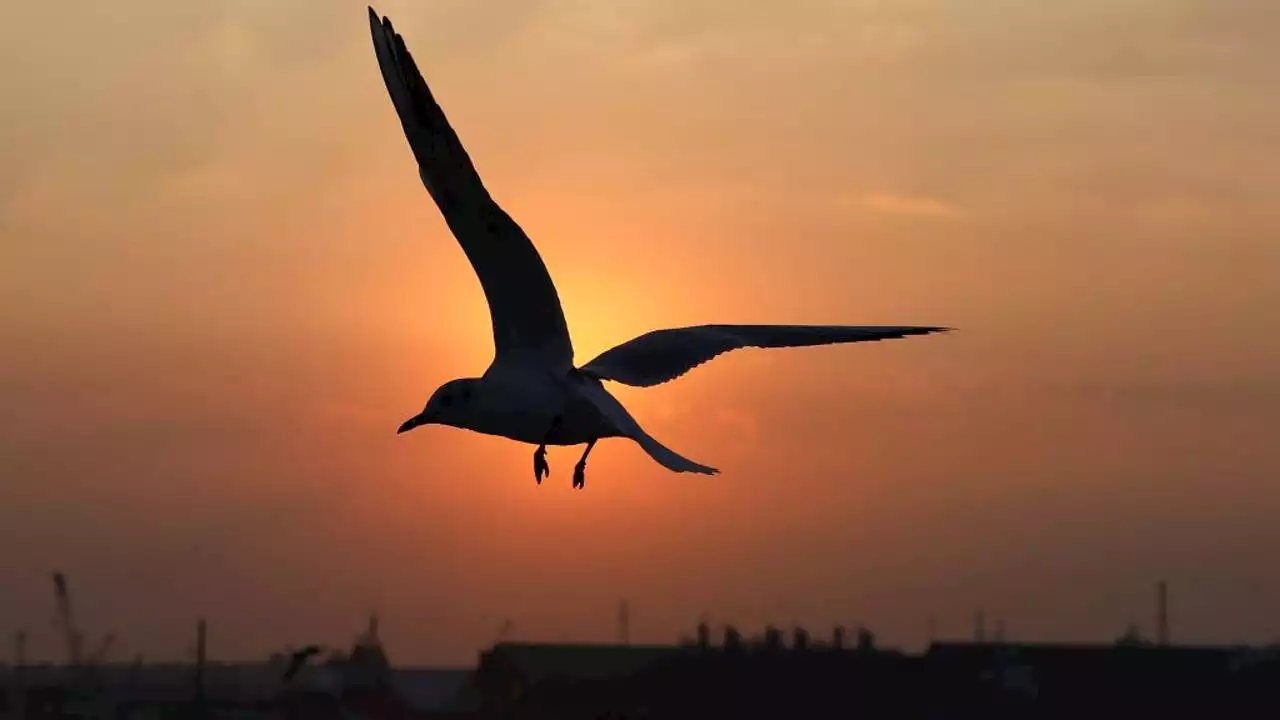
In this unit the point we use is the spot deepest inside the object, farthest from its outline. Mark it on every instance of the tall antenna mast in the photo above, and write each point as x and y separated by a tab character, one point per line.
1162	613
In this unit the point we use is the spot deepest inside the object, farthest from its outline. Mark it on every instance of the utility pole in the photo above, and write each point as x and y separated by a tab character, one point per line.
20	649
624	623
201	635
18	692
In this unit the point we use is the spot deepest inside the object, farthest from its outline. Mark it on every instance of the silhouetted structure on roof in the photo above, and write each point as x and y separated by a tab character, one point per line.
772	639
732	638
800	639
704	635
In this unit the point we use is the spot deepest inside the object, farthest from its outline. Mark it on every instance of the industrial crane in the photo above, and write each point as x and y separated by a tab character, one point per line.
65	621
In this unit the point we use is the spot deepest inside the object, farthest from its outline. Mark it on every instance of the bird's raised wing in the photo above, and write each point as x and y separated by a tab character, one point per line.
523	305
662	355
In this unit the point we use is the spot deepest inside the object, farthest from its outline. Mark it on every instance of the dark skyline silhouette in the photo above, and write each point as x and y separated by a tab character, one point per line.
220	284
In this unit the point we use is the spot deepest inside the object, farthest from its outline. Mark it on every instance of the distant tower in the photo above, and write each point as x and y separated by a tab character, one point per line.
624	623
933	630
837	638
1162	613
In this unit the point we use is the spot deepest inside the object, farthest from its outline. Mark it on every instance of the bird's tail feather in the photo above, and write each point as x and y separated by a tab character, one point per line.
627	426
667	457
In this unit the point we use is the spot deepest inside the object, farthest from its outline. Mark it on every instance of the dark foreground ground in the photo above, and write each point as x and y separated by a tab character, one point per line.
567	682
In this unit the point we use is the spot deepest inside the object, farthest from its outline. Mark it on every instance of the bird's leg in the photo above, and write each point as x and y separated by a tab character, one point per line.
540	466
579	470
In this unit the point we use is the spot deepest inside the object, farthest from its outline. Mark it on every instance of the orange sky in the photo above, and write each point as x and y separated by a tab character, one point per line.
222	288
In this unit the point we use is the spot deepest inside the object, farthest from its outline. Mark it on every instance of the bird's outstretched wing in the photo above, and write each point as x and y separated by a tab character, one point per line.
523	305
662	355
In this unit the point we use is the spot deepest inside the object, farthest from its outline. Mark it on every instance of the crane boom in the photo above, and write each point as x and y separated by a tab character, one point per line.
65	620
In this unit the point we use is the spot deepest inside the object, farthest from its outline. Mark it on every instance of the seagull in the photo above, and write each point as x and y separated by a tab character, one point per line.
532	392
299	658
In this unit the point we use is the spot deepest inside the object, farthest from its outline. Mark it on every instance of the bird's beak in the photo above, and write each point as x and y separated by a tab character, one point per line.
412	423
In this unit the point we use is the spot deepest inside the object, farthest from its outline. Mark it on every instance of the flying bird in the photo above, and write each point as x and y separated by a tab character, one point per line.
532	392
298	659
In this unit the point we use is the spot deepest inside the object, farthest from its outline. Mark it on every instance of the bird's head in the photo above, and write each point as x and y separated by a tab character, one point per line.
450	404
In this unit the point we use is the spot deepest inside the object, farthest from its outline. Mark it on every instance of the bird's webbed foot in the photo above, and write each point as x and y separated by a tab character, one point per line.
540	467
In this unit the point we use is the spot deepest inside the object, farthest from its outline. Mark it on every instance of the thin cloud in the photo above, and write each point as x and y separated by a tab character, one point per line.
906	205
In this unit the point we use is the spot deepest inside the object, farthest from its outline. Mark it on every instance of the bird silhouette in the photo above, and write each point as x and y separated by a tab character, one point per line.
532	392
